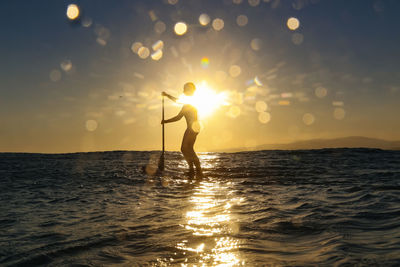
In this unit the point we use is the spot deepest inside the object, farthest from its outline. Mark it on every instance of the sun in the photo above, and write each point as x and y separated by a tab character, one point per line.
205	99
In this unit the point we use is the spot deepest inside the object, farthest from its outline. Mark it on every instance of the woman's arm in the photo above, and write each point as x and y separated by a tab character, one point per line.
173	119
169	96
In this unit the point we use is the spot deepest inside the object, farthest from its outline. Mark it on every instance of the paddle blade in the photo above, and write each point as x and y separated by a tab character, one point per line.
161	163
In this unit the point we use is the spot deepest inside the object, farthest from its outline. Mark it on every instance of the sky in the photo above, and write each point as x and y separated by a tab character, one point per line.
290	70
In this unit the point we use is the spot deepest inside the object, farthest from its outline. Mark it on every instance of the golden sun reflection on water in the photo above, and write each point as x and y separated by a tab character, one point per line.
213	226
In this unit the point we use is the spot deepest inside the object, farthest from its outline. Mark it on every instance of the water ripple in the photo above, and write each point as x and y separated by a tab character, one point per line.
292	208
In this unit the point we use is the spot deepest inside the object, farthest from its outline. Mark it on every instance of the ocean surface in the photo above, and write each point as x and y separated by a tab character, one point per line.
330	207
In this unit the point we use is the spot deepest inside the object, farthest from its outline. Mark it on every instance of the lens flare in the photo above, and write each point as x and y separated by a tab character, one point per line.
152	15
235	71
143	52
255	44
205	100
55	75
66	65
242	20
205	62
257	81
297	38
159	45
234	112
338	103
136	46
91	125
204	19
254	3
284	103
72	12
321	92
157	55
87	22
261	106
160	27
308	119
218	24
339	113
180	28
264	117
293	23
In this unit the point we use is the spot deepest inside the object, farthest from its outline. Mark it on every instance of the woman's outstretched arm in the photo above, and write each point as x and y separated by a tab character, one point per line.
173	119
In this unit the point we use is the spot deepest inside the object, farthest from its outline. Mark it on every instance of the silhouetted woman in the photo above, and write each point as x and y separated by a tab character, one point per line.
193	127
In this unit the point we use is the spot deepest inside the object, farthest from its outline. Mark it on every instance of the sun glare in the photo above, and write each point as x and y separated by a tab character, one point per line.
205	99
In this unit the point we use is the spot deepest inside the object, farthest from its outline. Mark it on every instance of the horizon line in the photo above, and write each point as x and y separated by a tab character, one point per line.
244	149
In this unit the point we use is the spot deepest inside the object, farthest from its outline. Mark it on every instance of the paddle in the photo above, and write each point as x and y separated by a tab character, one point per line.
161	161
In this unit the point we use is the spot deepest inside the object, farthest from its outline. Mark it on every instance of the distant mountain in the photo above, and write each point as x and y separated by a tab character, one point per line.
349	142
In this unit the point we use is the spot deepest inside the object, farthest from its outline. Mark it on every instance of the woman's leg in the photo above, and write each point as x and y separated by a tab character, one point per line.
191	154
196	161
185	148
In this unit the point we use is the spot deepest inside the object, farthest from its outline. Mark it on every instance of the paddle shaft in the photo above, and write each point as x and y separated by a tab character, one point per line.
163	131
161	160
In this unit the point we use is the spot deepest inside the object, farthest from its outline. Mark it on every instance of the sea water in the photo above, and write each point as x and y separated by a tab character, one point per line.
266	208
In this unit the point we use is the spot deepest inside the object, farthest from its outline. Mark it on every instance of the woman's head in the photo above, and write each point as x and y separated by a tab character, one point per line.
189	88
